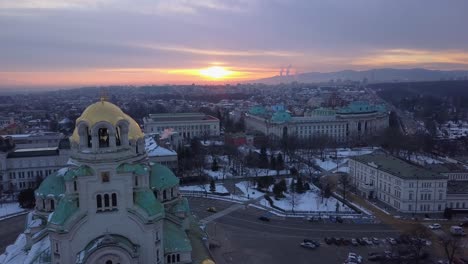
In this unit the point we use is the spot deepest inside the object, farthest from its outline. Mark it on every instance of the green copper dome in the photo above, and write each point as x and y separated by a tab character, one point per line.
162	177
53	185
281	117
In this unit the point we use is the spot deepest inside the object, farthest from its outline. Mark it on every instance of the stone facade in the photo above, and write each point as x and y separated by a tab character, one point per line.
354	122
188	125
110	205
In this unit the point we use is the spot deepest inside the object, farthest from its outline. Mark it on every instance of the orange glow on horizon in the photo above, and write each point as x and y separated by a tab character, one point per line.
133	76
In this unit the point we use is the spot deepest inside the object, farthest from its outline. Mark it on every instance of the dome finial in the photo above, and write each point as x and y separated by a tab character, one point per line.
104	96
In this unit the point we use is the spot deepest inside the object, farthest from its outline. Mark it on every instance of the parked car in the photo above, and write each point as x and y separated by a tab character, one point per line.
353	258
307	245
376	240
315	242
376	257
264	218
328	240
211	209
391	240
464	224
367	241
434	226
354	242
339	219
361	242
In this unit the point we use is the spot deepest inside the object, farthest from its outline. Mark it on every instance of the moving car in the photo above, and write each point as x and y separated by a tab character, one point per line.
211	209
316	243
307	245
434	226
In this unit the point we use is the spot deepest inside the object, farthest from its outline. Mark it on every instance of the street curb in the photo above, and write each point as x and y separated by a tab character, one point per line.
5	217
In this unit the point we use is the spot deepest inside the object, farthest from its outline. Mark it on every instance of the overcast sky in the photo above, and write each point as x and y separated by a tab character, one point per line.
95	42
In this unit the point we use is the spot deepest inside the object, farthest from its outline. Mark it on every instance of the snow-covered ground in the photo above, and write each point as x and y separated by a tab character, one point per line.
199	188
10	208
326	164
218	175
453	130
248	189
309	202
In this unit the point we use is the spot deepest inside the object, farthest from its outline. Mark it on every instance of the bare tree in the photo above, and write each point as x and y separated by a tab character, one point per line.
294	199
344	180
451	245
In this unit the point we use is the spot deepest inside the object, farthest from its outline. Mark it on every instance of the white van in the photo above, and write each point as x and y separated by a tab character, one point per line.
457	231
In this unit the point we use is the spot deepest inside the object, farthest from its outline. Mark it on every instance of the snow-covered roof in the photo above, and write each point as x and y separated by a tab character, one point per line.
154	150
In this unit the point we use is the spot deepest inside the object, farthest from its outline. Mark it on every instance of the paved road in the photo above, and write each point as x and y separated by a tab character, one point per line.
10	229
245	239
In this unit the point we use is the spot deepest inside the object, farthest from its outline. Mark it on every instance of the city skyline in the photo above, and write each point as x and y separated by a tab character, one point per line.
54	44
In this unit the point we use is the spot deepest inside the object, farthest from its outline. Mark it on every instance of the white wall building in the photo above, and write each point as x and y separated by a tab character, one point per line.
189	125
404	186
37	140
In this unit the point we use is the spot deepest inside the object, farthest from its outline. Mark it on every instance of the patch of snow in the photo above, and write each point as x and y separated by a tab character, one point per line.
202	188
248	190
10	208
309	201
154	150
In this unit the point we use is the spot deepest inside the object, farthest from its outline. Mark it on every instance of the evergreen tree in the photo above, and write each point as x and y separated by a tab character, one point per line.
448	213
263	163
280	162
272	162
26	198
277	190
282	186
299	185
212	185
214	165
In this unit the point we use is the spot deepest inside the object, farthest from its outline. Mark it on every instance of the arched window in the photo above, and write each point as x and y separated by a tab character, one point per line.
178	257
118	142
168	258
136	180
164	195
75	188
43	204
109	262
52	204
114	199
99	201
172	192
173	258
103	135
106	200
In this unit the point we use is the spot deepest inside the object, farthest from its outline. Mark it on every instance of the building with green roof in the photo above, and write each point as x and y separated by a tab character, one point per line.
356	121
111	205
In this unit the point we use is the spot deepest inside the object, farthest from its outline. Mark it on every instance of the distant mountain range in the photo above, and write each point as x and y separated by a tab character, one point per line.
374	75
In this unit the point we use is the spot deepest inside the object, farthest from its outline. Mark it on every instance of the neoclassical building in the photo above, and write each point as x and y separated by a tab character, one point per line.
357	120
111	205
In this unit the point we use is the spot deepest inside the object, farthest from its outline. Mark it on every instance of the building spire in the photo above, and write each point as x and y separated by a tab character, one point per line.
103	95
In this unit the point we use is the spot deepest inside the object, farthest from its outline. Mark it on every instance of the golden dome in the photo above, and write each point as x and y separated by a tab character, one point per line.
108	112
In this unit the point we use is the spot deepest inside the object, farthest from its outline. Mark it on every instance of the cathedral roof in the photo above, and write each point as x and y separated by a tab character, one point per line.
145	200
53	185
175	239
162	177
67	206
108	112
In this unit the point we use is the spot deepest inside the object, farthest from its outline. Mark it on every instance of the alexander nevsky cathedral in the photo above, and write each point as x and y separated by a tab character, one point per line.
111	205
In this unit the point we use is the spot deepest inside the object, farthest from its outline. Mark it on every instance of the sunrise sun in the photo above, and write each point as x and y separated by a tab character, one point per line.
215	72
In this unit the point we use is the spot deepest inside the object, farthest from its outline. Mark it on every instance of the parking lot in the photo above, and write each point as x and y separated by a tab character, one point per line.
243	238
